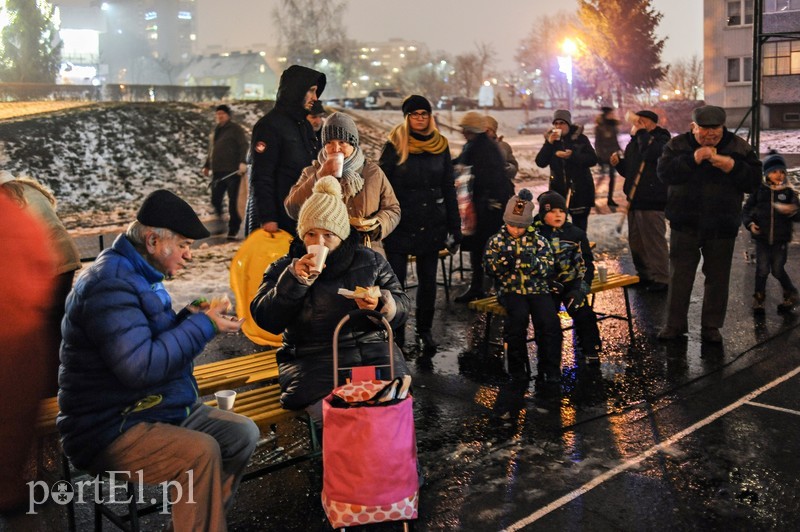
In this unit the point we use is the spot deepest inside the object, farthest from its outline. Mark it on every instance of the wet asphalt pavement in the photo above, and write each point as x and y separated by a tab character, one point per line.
678	436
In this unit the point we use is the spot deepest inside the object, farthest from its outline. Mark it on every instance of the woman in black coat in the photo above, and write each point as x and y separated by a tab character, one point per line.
491	189
416	160
570	156
306	307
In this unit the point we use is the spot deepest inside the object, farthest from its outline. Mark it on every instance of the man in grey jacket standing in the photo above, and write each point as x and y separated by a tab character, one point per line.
226	161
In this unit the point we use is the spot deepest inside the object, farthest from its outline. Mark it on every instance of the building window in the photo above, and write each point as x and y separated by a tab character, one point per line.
781	58
740	69
791	117
780	6
740	12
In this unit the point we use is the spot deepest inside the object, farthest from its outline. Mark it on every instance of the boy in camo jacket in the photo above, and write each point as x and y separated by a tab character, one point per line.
573	270
521	261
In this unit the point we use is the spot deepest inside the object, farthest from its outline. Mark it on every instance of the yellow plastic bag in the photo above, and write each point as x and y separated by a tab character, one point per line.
247	270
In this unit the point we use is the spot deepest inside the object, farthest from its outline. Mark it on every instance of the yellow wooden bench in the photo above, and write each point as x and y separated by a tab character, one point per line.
236	372
491	306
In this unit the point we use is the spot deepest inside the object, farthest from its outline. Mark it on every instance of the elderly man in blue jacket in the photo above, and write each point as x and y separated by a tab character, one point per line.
128	400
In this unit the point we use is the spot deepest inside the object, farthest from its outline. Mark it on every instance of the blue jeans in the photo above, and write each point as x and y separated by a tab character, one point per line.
771	258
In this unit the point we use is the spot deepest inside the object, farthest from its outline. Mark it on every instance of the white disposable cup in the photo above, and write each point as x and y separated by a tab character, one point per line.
225	399
320	254
557	133
338	159
602	273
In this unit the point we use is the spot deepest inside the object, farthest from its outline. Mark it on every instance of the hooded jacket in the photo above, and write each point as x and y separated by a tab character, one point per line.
521	265
573	267
701	198
308	314
573	173
283	143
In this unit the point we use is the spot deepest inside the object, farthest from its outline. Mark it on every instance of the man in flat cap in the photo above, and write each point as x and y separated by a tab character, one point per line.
708	171
127	395
647	198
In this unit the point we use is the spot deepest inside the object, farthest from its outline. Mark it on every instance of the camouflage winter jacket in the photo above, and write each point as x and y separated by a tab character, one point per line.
519	265
571	269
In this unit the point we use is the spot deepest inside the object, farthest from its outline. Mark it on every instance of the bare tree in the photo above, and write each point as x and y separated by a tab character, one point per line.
684	79
538	55
311	30
471	68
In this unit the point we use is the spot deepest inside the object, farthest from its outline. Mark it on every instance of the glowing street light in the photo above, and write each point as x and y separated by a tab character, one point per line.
565	65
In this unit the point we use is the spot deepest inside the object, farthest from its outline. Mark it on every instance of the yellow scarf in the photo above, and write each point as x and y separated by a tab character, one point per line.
435	145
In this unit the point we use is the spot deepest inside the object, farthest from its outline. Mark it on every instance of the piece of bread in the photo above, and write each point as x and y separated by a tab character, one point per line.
372	291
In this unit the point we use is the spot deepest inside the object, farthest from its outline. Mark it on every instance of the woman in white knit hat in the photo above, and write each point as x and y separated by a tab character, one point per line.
372	207
306	307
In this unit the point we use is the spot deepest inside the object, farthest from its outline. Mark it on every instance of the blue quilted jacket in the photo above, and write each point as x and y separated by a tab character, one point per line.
126	357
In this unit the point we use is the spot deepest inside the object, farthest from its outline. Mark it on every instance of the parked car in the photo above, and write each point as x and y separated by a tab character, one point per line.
355	103
536	125
456	103
384	99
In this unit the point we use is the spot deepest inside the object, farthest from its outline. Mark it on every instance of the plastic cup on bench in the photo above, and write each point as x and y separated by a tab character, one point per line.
602	273
225	399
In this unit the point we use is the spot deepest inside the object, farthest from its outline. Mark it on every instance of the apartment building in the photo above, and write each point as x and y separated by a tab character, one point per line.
728	59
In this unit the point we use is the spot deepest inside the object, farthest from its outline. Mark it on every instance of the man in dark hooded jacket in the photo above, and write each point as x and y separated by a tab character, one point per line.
283	143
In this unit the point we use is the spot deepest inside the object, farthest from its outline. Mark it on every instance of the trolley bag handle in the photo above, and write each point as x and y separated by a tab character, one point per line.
352	315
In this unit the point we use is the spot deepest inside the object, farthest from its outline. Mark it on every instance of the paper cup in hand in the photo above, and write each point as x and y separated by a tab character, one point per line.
320	254
225	399
338	160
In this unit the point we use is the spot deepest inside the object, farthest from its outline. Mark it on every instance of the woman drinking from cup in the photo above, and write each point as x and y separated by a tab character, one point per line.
306	307
372	207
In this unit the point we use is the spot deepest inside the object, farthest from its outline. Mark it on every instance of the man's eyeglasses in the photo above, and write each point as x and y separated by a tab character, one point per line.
420	115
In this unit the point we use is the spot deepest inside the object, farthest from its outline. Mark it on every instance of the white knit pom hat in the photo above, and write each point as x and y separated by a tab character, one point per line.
325	209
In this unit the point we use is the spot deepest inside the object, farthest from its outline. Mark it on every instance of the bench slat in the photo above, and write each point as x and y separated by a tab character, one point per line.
614	280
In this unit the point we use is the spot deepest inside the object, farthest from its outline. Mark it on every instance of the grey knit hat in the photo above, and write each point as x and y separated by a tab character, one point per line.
519	209
562	114
339	126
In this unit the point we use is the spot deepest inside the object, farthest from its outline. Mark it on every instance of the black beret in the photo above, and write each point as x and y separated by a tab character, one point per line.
316	108
709	116
224	108
164	209
415	102
648	114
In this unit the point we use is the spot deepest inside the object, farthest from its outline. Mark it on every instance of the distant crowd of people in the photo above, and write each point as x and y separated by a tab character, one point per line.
128	400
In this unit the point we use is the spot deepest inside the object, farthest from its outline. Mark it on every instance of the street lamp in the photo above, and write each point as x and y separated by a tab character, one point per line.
565	65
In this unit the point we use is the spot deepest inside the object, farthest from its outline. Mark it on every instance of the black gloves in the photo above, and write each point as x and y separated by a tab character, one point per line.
574	299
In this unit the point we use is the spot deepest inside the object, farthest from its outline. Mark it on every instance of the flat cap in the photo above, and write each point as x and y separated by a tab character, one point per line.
709	116
646	113
164	209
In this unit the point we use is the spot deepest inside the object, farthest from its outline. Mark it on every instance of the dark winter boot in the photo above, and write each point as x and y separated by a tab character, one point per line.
789	301
426	343
758	303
